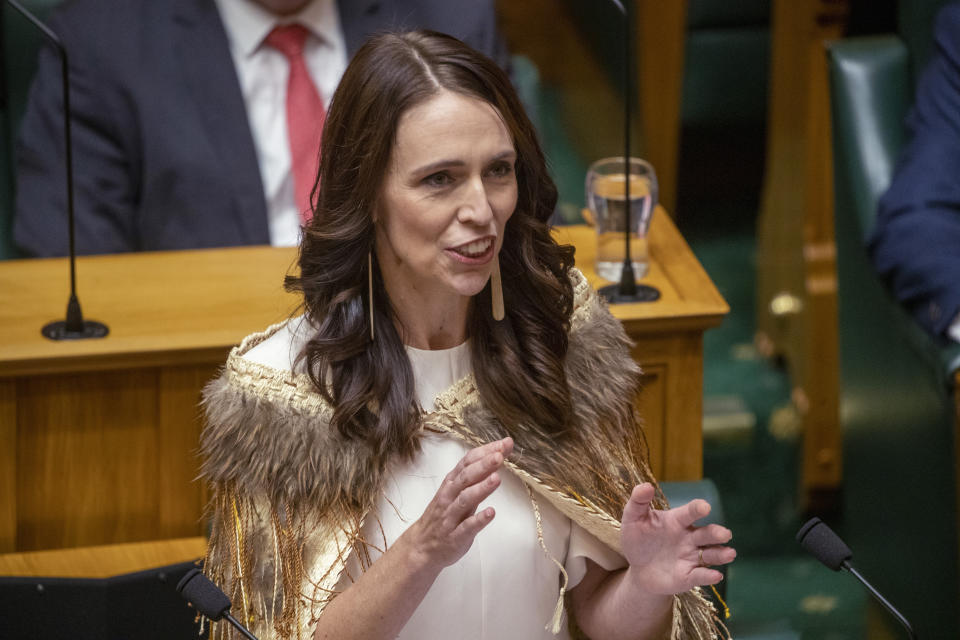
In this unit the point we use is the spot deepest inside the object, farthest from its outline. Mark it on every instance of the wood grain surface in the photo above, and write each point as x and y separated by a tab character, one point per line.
102	561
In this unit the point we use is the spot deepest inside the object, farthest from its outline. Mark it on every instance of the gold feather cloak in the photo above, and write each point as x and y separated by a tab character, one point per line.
289	494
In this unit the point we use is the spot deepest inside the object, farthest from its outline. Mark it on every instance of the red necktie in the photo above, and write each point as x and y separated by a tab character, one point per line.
305	114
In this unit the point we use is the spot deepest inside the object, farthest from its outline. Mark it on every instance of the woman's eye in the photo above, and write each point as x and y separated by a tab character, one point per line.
439	179
501	170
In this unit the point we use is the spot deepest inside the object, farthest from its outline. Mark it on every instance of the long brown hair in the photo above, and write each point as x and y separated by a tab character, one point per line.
518	362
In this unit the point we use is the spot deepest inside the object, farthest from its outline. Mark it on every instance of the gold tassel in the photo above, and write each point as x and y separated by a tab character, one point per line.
553	626
238	530
726	609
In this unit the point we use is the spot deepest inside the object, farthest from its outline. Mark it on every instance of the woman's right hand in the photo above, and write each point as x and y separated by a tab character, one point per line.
445	531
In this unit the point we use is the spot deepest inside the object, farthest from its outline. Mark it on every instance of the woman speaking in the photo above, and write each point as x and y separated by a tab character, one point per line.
444	444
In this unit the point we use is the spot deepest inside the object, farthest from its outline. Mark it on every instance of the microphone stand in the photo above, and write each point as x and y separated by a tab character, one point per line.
74	327
627	290
876	594
818	539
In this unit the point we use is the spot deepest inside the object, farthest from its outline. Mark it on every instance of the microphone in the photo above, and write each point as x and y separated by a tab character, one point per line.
627	290
74	327
198	590
826	546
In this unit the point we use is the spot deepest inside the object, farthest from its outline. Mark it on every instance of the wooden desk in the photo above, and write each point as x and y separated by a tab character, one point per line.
97	438
102	561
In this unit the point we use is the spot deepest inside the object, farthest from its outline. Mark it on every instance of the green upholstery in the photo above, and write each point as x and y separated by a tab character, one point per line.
19	45
726	76
711	14
897	411
726	68
871	94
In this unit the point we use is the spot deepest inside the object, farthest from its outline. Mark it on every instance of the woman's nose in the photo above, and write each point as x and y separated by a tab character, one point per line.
475	207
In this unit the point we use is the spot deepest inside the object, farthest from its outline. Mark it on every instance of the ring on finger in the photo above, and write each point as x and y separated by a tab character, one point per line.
700	553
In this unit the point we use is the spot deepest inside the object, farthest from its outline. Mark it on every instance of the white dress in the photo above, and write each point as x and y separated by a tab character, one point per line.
506	586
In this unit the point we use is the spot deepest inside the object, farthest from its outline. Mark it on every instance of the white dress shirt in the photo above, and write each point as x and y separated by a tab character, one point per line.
954	330
263	73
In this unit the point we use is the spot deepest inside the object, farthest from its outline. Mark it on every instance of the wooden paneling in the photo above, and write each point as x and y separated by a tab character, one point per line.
108	457
661	35
87	459
102	561
652	404
8	465
677	360
796	258
818	370
182	496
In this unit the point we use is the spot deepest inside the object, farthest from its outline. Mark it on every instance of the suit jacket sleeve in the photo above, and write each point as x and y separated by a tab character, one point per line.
915	245
105	188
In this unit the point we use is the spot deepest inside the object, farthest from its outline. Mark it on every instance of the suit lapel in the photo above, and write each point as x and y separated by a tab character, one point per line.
204	55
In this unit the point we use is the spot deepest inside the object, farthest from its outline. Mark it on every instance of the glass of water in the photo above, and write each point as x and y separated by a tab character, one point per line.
607	195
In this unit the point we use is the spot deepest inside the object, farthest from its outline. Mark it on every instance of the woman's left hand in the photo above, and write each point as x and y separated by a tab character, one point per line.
667	554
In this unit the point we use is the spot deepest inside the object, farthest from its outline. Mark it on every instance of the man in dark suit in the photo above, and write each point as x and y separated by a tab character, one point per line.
166	155
916	242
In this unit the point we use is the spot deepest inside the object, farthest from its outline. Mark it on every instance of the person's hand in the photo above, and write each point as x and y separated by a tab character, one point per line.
667	554
445	531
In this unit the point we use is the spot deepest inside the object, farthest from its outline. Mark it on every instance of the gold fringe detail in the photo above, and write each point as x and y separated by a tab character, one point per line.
677	630
238	530
553	626
726	609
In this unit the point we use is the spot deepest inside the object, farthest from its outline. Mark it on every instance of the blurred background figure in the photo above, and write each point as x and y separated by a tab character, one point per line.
916	242
184	113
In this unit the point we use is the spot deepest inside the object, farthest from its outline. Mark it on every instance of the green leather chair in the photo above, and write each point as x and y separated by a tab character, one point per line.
897	408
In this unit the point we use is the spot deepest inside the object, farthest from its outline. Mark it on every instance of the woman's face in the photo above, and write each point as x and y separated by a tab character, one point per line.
449	189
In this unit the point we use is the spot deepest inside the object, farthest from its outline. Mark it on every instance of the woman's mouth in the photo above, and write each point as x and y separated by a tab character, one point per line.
475	252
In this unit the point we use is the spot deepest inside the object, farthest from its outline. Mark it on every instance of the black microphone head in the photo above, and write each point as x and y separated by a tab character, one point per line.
207	597
825	545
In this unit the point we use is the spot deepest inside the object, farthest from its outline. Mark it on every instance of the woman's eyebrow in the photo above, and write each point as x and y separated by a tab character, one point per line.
439	164
443	164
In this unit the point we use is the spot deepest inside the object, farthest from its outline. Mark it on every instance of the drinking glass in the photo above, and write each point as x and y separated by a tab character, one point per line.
606	199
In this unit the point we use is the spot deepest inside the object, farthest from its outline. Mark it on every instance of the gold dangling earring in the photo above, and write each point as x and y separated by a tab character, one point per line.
496	290
370	289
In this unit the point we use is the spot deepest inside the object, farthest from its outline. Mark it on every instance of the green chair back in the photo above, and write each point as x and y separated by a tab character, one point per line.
871	94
